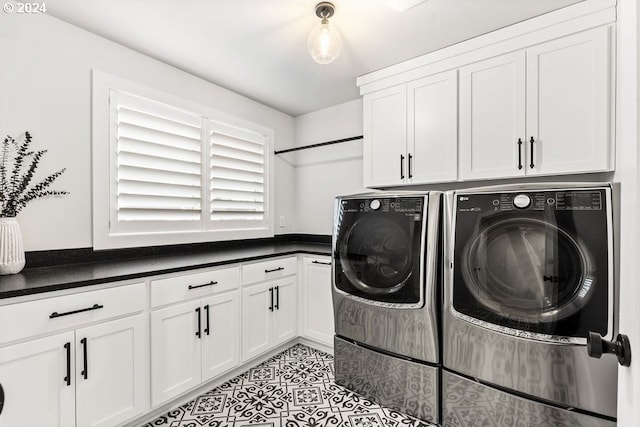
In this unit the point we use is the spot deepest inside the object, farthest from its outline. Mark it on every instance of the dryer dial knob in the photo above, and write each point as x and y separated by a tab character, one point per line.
522	201
375	204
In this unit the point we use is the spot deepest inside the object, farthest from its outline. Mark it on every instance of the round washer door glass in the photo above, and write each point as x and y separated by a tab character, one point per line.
528	269
376	255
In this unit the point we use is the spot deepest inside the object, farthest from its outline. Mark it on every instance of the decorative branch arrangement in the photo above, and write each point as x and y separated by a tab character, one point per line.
15	192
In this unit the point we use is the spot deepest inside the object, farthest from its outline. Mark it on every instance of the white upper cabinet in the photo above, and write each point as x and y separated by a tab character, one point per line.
568	104
410	132
540	111
432	137
534	98
385	137
492	117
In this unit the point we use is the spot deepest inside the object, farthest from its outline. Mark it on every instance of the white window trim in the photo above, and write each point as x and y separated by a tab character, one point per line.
104	179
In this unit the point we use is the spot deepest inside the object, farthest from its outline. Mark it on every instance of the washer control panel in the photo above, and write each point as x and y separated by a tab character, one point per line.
405	205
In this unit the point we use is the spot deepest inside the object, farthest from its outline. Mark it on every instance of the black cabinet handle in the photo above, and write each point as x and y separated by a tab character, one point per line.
206	310
198	332
211	283
85	370
519	153
409	167
401	166
621	347
277	297
531	165
275	269
1	398
82	310
67	379
320	262
271	294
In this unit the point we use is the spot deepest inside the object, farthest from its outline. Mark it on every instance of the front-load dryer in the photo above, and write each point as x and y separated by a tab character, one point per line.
386	298
529	275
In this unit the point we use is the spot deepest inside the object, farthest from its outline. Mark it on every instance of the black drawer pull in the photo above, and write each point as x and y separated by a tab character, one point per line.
199	331
85	370
67	379
211	283
320	262
532	165
82	310
275	269
206	310
519	153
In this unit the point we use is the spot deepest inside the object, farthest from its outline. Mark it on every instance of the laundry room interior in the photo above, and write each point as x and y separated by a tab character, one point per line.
306	213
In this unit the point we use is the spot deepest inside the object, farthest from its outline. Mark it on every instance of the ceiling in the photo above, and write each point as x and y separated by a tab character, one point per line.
258	48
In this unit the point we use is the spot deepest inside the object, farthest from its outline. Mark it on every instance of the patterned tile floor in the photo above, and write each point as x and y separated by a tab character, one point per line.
294	388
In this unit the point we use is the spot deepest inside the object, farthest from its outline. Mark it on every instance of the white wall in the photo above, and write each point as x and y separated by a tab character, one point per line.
45	88
323	173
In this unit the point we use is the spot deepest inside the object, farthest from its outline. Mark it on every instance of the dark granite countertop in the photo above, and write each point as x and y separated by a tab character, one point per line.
54	278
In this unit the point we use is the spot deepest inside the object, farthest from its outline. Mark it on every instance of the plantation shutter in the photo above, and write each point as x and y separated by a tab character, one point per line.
237	175
158	159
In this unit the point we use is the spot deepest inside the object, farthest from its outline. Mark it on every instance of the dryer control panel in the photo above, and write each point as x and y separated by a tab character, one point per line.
535	200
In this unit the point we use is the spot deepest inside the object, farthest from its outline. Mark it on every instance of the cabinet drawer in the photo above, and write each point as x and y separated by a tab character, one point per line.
267	270
33	318
193	285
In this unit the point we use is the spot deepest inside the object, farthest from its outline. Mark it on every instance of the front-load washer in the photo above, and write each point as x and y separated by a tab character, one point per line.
529	275
386	299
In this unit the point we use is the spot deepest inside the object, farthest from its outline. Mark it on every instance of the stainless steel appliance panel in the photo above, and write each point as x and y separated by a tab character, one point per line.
396	383
411	333
561	373
467	403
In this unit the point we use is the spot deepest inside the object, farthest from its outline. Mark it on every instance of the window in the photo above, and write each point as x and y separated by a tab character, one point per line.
176	172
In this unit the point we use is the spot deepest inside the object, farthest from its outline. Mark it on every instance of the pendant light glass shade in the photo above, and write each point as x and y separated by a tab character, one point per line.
324	42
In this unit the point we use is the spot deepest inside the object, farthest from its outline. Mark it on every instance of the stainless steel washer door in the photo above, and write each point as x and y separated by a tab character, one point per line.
528	269
376	255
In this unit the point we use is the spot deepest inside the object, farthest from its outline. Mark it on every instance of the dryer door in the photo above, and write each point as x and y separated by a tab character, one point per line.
535	262
528	270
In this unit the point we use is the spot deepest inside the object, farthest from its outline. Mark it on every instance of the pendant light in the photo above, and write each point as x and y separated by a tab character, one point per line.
324	41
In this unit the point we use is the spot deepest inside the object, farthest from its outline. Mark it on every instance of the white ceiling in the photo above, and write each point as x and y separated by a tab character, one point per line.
258	48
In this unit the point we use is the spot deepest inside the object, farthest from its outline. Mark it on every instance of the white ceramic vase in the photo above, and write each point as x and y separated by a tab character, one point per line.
11	247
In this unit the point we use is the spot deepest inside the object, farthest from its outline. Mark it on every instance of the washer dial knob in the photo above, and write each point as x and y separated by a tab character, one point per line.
375	204
522	201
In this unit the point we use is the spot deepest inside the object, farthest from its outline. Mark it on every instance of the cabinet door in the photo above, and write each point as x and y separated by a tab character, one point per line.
433	129
569	104
317	301
256	319
221	334
385	137
285	310
492	118
175	351
33	377
111	372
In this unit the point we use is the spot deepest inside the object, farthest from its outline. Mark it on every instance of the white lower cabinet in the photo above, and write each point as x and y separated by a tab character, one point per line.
268	316
193	342
37	383
88	376
317	303
111	372
195	328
